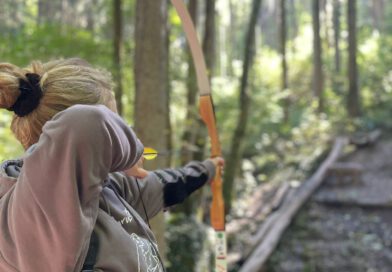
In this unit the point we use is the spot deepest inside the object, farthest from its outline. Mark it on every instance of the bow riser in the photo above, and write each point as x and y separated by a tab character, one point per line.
217	206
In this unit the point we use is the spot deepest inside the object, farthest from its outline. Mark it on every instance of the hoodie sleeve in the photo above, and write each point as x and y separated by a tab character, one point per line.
52	210
163	188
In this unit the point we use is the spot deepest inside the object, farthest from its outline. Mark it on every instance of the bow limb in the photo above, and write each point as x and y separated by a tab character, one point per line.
208	116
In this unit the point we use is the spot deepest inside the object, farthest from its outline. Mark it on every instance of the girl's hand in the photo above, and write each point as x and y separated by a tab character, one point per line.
137	170
218	161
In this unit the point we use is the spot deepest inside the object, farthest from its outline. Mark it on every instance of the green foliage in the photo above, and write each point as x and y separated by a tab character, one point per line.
51	41
186	238
9	148
376	81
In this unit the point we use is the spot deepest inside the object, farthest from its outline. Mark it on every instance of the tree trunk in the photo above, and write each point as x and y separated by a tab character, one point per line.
269	24
318	77
325	21
231	38
353	100
151	87
209	37
234	159
42	11
294	20
90	15
336	27
48	10
283	39
117	46
378	13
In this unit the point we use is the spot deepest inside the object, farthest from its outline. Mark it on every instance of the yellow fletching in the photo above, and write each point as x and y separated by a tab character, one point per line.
150	153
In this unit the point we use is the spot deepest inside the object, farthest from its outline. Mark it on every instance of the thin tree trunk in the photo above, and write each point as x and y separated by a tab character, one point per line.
378	13
209	37
234	159
283	39
353	100
231	38
151	87
117	46
325	22
318	77
49	11
42	11
336	26
90	15
294	20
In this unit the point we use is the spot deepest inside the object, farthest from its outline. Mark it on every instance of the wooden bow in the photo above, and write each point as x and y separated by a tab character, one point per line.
207	114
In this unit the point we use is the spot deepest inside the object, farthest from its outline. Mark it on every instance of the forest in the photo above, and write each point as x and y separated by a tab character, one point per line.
287	77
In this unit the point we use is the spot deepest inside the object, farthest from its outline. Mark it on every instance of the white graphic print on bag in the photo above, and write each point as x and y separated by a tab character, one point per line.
146	254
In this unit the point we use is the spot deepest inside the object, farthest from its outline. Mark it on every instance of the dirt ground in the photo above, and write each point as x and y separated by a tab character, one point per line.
347	225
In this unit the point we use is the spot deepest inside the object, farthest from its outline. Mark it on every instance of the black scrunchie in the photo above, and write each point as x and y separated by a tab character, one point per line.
30	95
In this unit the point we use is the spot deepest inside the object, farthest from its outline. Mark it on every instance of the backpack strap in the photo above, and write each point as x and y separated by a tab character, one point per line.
93	248
92	254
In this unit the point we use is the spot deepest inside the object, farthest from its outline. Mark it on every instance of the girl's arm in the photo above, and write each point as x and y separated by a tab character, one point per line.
164	188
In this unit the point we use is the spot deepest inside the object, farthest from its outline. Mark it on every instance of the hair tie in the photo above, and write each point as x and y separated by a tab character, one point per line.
30	95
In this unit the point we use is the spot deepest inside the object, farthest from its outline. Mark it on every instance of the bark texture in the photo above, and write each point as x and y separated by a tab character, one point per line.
318	77
117	46
233	162
353	100
151	86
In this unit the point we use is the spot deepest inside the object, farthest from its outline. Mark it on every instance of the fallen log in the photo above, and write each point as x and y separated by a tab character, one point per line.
262	206
270	233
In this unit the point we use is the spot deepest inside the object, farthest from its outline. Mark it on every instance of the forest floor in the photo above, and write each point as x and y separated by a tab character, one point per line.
347	225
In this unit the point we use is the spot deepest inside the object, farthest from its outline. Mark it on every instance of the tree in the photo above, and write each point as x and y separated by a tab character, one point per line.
353	99
318	77
234	159
336	27
117	46
151	87
48	10
293	19
378	7
283	39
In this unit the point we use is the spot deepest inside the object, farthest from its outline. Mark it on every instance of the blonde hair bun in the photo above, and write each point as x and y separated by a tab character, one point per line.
62	83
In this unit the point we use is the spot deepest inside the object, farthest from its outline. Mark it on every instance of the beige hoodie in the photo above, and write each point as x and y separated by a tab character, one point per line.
70	185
